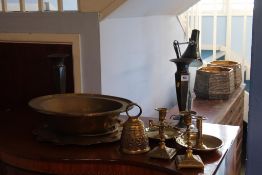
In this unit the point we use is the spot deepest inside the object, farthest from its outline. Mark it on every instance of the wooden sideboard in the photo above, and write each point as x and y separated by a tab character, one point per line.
225	112
21	154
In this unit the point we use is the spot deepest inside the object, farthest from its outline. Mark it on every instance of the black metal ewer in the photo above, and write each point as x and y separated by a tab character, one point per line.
58	72
182	83
191	57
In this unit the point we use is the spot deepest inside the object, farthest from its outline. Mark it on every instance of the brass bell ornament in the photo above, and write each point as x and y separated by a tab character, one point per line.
134	139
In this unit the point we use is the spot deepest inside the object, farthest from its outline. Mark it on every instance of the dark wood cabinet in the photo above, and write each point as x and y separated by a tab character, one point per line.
232	113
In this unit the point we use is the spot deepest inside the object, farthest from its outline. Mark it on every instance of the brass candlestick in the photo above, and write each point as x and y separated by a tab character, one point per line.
189	160
162	151
199	138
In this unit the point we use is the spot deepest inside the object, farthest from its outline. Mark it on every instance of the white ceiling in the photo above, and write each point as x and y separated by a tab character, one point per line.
139	8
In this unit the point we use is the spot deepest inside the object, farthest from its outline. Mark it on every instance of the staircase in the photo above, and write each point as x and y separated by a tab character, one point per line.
130	8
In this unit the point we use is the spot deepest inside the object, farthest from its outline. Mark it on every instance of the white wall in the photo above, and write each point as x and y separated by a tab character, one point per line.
140	8
135	55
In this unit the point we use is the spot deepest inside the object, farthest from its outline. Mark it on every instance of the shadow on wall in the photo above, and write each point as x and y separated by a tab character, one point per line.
135	54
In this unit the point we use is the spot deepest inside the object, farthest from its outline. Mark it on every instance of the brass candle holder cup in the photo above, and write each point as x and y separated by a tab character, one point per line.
161	151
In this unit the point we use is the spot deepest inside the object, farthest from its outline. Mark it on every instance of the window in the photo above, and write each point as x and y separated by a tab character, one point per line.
70	5
13	5
31	5
50	5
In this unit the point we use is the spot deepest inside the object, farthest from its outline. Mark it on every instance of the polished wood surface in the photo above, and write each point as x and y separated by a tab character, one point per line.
22	154
217	111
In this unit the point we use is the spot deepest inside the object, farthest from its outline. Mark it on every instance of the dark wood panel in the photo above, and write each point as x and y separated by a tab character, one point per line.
25	72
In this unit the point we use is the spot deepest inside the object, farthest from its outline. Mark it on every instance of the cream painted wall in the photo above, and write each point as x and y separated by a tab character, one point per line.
135	55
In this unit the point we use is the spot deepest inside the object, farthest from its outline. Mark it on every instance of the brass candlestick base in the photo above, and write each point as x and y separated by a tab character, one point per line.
189	161
162	152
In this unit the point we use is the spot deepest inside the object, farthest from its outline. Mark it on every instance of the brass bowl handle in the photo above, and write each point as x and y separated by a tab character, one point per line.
129	106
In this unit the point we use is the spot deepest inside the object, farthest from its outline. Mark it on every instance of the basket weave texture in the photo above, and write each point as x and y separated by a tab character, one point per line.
231	64
214	83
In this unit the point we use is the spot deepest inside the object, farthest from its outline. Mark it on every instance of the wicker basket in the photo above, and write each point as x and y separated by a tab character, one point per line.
214	82
231	64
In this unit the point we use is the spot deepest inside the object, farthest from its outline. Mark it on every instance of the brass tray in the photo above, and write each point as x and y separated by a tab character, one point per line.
46	134
170	133
211	142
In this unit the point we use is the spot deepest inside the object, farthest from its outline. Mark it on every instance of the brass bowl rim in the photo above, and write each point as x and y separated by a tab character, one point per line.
34	103
210	69
205	136
224	63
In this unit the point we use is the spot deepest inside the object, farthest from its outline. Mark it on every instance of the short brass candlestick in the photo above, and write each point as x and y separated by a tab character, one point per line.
189	160
199	138
162	151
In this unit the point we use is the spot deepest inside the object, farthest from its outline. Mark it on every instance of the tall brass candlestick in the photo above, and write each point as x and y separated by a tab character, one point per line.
162	151
199	139
189	160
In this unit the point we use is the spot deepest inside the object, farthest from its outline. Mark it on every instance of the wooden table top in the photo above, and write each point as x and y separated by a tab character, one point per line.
19	148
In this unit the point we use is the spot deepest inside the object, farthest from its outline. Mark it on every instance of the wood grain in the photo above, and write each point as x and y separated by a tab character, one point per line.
22	154
20	149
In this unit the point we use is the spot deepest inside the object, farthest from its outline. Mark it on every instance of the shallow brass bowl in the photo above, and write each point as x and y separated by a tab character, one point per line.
80	113
169	133
211	142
